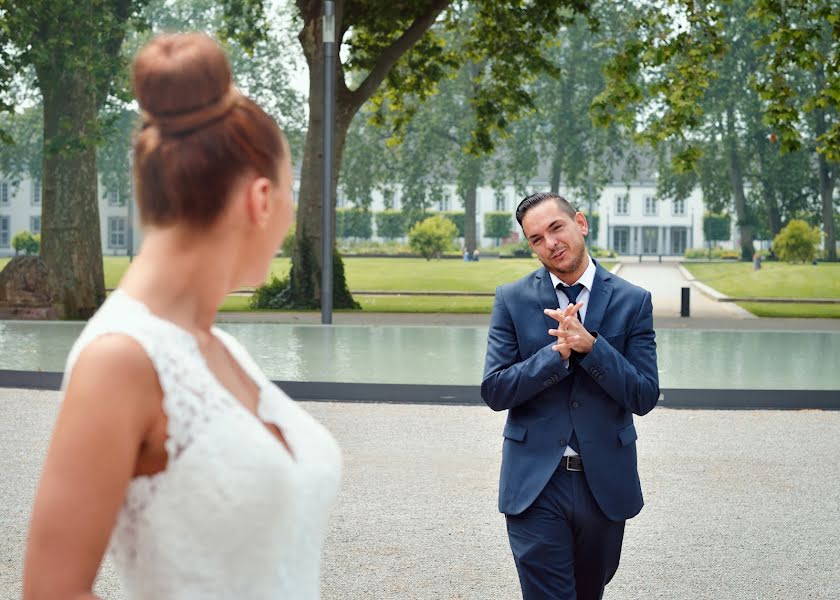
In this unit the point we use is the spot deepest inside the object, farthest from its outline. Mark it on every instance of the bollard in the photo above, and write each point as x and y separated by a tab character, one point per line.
660	258
684	305
640	258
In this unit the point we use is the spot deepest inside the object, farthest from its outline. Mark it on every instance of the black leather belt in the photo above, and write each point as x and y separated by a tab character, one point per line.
572	463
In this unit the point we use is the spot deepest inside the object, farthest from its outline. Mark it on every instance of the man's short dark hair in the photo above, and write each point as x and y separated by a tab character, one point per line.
531	201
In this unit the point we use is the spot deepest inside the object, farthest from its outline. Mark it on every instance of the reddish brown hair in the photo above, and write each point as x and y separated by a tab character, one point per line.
199	135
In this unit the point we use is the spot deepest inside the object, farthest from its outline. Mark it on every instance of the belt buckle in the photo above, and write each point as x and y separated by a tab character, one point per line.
569	464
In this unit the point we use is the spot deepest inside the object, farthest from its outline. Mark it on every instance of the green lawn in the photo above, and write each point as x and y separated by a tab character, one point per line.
801	311
773	280
396	274
399	274
3	262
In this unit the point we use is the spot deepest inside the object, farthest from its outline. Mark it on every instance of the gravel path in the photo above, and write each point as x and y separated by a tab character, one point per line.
740	504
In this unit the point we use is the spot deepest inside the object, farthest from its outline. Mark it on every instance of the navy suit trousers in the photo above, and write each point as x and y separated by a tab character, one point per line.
563	545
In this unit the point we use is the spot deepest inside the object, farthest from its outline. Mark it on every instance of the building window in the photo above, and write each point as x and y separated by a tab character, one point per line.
113	198
501	204
650	206
4	193
444	201
622	205
4	232
679	207
116	232
35	225
36	191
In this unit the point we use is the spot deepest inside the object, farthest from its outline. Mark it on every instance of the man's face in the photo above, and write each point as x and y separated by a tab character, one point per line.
557	238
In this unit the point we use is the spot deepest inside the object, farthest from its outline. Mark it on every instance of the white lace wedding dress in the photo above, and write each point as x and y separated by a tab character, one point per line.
234	514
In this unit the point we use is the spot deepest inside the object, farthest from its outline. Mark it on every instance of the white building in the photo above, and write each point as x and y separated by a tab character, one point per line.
632	220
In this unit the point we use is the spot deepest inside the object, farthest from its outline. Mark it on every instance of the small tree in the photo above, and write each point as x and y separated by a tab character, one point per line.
497	225
390	224
456	217
432	236
716	228
353	223
27	243
797	242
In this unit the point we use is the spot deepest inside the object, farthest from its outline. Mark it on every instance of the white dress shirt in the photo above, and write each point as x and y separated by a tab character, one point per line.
587	279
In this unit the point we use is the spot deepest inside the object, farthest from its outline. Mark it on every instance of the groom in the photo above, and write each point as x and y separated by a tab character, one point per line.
571	379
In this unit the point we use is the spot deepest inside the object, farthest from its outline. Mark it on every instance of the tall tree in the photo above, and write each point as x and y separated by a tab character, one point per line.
74	48
803	42
391	42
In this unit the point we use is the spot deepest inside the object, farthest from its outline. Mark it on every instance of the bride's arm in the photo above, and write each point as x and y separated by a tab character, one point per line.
112	400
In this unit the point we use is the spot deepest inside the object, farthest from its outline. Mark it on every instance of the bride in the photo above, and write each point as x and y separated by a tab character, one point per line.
173	452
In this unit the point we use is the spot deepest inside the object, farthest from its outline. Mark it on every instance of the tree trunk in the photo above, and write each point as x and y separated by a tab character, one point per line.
307	258
827	179
736	177
556	166
470	238
71	244
827	196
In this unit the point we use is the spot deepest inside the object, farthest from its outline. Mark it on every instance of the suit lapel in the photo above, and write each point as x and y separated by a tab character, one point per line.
599	298
547	297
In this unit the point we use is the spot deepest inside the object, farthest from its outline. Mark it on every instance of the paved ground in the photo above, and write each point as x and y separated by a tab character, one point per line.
740	505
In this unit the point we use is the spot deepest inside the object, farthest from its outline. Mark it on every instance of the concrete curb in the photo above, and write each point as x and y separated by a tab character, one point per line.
702	287
469	395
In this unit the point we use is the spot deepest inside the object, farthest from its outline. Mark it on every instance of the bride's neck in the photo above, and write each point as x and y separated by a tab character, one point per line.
183	276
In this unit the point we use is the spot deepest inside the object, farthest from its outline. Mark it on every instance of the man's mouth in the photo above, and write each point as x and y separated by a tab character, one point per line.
558	254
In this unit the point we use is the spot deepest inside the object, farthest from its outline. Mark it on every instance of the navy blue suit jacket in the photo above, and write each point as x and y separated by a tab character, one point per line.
598	396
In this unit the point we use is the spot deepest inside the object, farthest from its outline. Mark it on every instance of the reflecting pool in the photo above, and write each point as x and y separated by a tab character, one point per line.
455	355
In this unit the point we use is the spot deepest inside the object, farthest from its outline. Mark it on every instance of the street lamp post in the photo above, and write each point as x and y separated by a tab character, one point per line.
328	33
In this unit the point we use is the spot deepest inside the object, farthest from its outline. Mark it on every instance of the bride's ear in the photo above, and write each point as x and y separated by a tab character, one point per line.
258	202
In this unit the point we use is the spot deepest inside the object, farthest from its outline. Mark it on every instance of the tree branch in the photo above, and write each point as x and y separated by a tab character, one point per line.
392	53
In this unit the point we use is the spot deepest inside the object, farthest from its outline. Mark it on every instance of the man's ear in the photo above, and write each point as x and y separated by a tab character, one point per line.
258	201
582	223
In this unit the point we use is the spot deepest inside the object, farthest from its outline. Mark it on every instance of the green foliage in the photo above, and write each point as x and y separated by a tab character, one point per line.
797	242
432	236
272	295
26	242
353	223
457	218
288	247
716	227
712	253
390	224
498	224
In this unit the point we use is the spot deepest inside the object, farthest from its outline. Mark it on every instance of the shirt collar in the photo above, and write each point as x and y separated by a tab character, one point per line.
587	279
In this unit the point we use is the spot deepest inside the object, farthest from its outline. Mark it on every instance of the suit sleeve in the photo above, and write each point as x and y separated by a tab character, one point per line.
508	380
632	378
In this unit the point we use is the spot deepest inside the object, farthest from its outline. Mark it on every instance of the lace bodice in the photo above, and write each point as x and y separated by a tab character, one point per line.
234	514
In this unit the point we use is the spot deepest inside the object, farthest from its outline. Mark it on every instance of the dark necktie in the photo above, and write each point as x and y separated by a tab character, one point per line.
572	293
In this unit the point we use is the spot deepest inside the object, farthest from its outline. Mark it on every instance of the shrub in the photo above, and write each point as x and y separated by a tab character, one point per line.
26	242
274	294
497	224
390	224
797	242
432	236
288	247
457	218
518	250
716	227
353	223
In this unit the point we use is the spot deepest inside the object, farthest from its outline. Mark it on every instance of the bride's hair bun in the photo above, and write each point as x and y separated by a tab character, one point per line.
180	73
199	134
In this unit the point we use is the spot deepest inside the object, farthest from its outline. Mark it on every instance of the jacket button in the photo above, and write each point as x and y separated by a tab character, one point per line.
562	442
575	405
